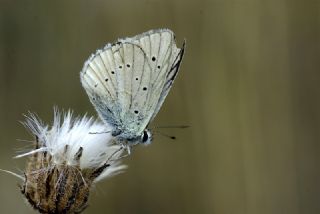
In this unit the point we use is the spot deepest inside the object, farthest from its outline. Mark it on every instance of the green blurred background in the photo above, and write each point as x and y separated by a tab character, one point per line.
248	87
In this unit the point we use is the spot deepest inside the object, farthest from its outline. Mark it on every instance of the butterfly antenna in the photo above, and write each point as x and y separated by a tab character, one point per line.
173	127
166	135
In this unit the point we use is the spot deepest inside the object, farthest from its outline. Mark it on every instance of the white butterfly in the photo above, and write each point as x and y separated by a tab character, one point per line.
128	81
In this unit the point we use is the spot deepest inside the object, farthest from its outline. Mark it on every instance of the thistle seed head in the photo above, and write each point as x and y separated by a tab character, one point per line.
66	161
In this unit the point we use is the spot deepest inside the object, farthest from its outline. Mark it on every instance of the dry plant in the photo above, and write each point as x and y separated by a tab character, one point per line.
66	161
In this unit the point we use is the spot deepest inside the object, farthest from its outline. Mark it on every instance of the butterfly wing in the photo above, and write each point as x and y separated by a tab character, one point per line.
127	82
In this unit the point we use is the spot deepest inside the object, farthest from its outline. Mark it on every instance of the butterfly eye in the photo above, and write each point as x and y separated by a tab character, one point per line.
145	137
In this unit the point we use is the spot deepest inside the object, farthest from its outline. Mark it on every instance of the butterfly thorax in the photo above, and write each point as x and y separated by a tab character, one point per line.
145	137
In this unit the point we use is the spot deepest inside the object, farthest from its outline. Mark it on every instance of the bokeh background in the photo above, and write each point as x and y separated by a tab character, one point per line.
248	87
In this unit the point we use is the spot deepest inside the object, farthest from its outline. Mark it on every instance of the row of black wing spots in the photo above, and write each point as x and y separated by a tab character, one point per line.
96	98
100	77
153	84
169	82
112	73
161	84
115	71
169	51
127	69
94	70
155	59
108	74
132	68
143	69
132	75
116	111
145	63
167	56
135	78
150	82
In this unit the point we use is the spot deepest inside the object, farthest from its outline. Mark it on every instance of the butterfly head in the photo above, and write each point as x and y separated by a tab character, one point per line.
146	137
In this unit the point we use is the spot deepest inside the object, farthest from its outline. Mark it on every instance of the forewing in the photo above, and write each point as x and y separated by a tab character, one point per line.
170	77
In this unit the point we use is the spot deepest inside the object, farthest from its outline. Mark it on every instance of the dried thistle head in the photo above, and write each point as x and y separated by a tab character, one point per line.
66	161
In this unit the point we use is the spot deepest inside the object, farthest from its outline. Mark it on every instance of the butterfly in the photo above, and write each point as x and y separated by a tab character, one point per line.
128	81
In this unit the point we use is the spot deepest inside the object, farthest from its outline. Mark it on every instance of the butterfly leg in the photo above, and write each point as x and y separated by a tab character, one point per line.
104	132
128	150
